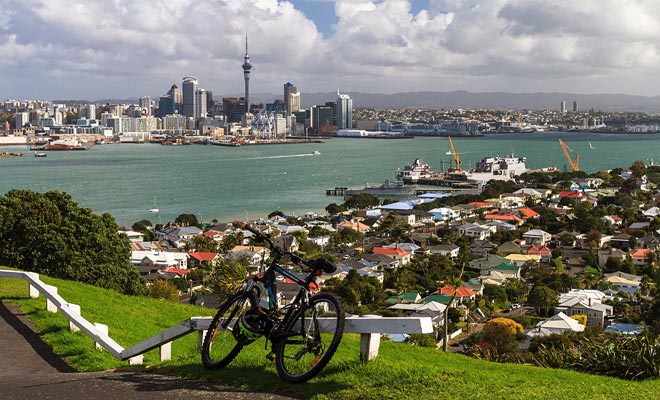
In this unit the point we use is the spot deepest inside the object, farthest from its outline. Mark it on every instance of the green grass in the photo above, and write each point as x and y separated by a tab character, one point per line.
399	372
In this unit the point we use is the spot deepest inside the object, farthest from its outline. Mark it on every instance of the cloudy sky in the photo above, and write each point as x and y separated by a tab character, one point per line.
95	49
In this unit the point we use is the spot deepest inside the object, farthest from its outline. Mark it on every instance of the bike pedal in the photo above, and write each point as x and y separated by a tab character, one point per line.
271	356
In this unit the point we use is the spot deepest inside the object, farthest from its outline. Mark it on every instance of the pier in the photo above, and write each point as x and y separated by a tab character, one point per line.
337	191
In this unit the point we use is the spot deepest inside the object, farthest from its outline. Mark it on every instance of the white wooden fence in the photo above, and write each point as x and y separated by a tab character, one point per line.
369	327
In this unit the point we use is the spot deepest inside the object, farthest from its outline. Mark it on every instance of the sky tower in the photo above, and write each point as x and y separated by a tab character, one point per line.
246	74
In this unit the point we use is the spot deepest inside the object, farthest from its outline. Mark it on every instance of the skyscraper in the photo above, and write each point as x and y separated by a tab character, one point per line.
344	111
246	75
189	96
575	106
200	104
291	98
145	103
563	107
177	96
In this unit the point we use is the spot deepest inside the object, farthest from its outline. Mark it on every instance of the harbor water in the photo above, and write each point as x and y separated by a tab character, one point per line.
227	183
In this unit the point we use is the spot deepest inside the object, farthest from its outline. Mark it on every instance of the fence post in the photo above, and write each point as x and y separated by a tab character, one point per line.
103	330
369	344
50	306
166	351
75	308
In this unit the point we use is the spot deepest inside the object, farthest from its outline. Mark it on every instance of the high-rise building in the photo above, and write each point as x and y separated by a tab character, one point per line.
575	106
177	95
201	104
291	98
145	103
344	111
22	119
209	102
166	106
233	108
189	96
563	107
246	75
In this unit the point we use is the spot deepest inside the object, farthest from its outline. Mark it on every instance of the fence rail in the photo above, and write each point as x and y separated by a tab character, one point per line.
369	327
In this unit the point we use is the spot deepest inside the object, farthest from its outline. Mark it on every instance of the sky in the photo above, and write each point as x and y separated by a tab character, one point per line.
95	49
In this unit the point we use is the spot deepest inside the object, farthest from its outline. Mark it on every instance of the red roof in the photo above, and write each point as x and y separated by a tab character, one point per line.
539	250
571	193
502	217
177	271
391	251
480	204
460	292
640	253
312	286
203	256
527	212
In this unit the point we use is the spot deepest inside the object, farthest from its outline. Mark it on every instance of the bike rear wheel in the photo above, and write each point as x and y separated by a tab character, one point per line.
220	344
310	339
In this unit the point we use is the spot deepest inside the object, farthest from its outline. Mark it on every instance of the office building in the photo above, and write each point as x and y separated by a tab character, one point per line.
177	95
166	106
22	119
190	85
575	106
344	111
563	107
145	103
233	108
291	98
201	104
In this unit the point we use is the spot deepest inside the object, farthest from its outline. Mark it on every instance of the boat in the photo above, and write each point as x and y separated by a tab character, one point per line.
154	209
498	168
414	172
10	154
39	154
65	145
389	188
591	146
316	153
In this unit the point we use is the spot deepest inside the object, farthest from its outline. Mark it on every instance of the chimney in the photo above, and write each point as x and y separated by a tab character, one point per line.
589	301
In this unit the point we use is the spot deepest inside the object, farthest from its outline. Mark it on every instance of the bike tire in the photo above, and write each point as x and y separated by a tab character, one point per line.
220	346
303	351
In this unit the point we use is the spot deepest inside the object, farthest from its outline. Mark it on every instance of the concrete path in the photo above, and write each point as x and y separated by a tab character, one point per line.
29	370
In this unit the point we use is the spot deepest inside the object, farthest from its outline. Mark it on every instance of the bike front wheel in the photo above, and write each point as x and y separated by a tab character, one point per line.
310	339
221	345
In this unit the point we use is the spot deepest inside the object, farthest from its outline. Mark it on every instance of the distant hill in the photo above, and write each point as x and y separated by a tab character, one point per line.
494	100
461	99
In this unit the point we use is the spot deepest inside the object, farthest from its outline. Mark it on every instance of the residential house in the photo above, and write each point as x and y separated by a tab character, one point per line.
463	294
520	259
542	251
624	282
505	269
383	260
536	237
406	298
586	183
475	231
177	235
649	242
509	218
214	235
509	248
621	241
397	253
512	200
447	250
133	236
153	261
253	254
482	247
444	214
640	256
288	229
613	220
587	302
199	258
354	225
433	309
605	254
287	243
409	247
490	260
558	324
320	240
535	193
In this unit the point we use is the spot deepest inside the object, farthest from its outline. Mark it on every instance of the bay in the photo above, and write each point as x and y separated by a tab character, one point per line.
227	183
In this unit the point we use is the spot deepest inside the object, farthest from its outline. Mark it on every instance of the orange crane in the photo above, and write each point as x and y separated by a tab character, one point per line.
457	158
575	164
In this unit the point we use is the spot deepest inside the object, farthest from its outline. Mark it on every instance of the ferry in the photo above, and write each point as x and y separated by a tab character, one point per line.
65	145
414	172
499	168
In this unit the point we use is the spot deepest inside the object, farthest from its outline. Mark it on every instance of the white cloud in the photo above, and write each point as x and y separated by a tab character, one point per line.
102	48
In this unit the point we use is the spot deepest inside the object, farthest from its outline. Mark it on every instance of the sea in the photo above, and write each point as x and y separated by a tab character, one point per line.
131	181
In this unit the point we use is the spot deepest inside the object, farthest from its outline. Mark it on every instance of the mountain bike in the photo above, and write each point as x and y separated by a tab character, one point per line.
304	334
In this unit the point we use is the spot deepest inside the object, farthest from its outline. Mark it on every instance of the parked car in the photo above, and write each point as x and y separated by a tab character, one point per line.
514	306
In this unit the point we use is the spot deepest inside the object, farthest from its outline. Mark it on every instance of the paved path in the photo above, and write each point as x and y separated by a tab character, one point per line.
29	370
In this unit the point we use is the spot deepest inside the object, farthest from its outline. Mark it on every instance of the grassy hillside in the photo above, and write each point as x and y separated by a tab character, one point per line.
400	371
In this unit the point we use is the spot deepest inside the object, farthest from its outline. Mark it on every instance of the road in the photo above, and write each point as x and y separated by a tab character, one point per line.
29	370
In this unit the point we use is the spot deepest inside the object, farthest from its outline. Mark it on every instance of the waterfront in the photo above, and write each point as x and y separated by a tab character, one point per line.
250	181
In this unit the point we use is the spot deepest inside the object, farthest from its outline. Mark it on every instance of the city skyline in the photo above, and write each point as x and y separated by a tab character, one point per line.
94	49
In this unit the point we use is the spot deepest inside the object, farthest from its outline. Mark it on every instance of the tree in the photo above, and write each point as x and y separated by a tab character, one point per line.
187	219
164	290
362	200
50	234
542	298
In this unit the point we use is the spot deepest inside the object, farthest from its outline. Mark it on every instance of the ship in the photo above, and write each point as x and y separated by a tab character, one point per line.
64	145
498	168
388	189
414	172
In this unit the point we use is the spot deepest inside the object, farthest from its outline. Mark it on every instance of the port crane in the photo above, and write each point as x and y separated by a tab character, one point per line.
457	158
575	164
